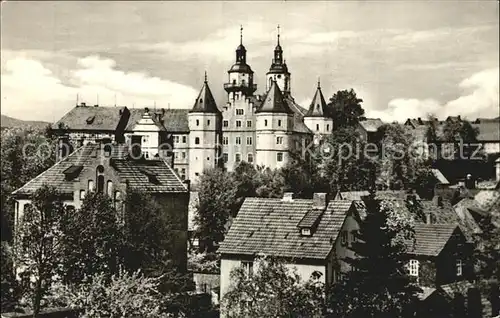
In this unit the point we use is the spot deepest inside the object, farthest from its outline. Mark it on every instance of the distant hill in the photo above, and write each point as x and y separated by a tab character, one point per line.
9	122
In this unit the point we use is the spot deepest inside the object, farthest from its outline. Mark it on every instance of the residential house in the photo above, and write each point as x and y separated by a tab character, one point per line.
368	129
112	171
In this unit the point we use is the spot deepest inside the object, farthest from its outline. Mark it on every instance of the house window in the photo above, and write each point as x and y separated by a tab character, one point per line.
197	141
82	194
249	123
183	155
279	156
343	238
176	139
265	122
183	173
279	123
197	122
305	232
459	267
184	139
225	140
225	157
250	158
208	122
239	111
91	185
248	268
225	123
249	140
237	157
279	140
238	123
413	267
238	140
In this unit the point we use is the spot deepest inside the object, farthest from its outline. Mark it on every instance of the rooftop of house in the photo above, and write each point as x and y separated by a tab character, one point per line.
383	195
271	226
371	124
430	239
153	176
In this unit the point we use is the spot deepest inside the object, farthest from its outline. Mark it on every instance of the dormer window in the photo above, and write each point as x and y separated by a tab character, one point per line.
90	120
305	232
72	172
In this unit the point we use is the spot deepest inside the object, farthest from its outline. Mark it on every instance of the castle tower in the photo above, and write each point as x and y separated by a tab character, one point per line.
204	121
316	118
278	72
240	75
274	127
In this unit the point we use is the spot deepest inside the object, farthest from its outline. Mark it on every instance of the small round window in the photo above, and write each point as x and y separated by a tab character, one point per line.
279	75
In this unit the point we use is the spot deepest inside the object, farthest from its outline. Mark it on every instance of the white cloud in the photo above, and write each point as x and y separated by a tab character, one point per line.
30	90
480	99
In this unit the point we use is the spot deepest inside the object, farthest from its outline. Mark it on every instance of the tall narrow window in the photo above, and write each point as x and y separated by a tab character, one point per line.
250	158
248	268
249	140
197	122
279	123
279	157
238	140
237	157
109	188
225	123
238	123
327	127
197	141
344	238
225	140
249	123
413	267
208	122
82	194
459	267
91	185
225	157
100	179
265	122
317	126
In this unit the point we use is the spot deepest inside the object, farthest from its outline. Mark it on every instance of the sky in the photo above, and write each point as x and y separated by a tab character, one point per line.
403	58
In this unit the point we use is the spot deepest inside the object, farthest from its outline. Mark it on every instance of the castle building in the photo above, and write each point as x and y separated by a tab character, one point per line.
262	129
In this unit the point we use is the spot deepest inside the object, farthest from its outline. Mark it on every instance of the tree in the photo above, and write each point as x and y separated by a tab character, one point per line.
92	239
38	239
10	290
217	194
345	109
345	165
487	252
273	290
457	130
378	284
123	294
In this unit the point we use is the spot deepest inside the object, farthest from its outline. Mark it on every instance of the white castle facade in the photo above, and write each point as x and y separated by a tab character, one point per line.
259	129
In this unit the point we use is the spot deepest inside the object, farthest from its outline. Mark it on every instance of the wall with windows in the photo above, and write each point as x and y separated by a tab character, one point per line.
344	241
181	154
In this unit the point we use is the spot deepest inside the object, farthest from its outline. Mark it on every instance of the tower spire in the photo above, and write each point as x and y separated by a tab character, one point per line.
278	34
241	34
319	83
206	78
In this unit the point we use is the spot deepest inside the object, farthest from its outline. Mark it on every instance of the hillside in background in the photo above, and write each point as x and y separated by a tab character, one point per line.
9	122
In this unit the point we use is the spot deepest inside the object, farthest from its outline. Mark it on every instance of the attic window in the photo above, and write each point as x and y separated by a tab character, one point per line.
90	120
72	172
201	100
305	231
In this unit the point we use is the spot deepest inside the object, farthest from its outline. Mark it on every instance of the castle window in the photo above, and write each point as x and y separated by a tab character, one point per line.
237	157
249	140
238	123
176	139
201	100
107	150
82	194
184	139
208	122
265	122
279	140
238	140
279	123
197	122
279	157
91	185
225	140
234	82
109	188
327	127
249	123
197	141
250	158
225	123
317	126
279	75
183	155
225	157
239	111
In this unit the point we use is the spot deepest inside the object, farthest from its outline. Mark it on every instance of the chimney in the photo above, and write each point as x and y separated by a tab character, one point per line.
287	197
319	200
83	104
470	182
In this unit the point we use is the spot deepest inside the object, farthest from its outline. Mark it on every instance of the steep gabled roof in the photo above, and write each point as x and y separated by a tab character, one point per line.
205	102
270	227
318	107
92	118
88	157
430	239
274	102
371	124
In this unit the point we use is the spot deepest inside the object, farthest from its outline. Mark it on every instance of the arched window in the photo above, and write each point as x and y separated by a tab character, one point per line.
109	188
91	185
197	141
100	179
